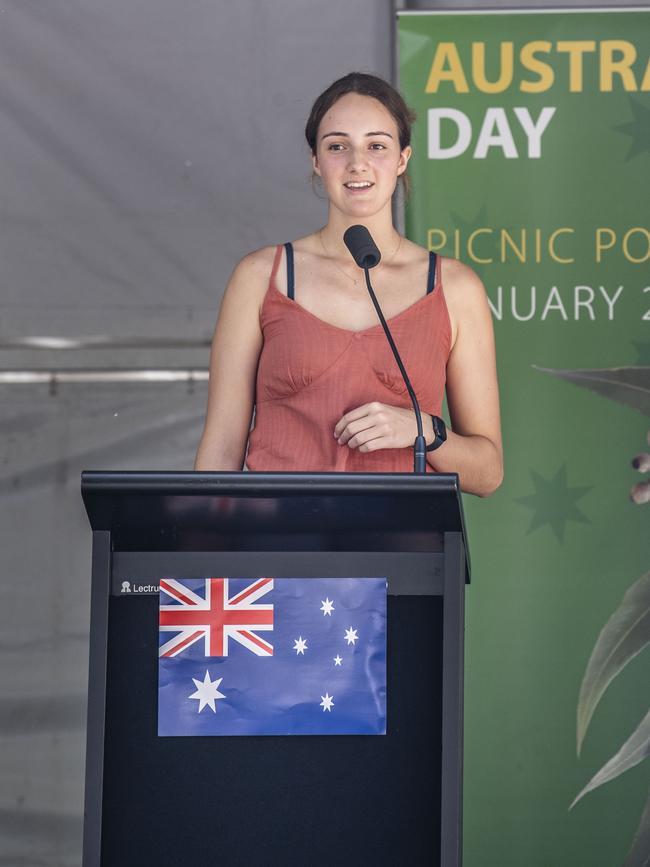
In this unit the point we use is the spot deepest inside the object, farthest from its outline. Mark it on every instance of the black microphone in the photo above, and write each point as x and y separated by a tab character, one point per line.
366	254
364	251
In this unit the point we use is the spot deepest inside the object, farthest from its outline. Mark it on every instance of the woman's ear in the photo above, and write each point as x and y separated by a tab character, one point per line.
404	158
314	164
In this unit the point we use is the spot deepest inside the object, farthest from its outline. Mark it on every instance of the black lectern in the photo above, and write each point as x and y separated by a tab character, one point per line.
381	800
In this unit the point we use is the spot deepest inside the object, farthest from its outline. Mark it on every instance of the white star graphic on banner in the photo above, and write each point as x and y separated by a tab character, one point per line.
351	635
327	703
207	691
300	645
327	607
337	660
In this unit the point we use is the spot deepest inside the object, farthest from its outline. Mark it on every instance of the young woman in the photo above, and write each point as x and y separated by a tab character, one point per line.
298	340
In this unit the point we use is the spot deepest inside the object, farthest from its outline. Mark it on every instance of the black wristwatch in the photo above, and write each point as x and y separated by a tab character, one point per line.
439	433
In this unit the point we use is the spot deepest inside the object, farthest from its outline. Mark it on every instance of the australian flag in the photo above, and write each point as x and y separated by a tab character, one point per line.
272	656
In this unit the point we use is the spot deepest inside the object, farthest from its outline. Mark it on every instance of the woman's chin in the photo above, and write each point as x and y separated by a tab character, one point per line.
362	210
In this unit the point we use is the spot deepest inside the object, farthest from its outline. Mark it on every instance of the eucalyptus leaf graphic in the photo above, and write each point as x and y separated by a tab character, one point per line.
624	635
639	854
629	386
635	749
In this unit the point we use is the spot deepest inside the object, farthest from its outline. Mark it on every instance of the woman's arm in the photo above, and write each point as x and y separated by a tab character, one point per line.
473	448
233	366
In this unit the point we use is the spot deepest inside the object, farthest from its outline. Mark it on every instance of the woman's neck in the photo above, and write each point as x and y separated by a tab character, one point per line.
380	227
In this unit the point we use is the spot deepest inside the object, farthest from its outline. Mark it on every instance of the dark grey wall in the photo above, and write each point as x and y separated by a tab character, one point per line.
145	145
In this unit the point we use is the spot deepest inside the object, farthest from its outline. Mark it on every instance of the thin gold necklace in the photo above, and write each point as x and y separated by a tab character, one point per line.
345	273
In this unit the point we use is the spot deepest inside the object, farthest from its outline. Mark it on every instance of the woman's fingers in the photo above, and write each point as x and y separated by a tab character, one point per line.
354	429
370	435
374	426
354	415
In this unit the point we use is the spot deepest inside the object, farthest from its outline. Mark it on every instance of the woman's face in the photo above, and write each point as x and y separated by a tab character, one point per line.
358	155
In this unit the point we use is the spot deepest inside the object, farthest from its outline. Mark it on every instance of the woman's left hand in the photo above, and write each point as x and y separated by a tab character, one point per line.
376	426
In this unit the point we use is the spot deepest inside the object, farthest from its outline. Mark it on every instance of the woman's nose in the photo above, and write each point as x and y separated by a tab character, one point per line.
357	159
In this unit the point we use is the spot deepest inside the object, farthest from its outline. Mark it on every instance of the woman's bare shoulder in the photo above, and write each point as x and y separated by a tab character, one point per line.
308	244
461	284
256	264
465	297
250	277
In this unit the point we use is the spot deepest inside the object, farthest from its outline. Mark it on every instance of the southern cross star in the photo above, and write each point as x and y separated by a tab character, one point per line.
338	659
351	635
327	703
207	691
327	607
300	645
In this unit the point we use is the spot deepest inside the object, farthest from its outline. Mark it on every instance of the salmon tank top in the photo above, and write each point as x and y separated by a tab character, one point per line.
310	373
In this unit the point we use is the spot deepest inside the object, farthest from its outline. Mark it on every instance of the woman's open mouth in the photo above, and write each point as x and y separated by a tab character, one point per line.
358	186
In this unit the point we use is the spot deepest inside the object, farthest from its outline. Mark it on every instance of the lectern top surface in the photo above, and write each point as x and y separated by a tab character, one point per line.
408	511
269	484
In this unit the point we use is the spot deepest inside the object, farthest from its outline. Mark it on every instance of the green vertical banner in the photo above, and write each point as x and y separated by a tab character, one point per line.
532	165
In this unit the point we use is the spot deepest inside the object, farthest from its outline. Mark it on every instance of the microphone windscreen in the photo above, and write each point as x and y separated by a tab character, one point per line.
364	251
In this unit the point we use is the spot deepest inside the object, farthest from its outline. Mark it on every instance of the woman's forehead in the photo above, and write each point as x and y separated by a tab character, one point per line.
354	113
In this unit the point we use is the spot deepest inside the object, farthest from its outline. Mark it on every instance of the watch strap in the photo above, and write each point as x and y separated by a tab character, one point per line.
439	433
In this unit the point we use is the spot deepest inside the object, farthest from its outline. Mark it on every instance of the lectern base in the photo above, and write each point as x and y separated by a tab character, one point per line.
301	801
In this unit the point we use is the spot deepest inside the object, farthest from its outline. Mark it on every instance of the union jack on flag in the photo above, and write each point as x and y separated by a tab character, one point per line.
215	616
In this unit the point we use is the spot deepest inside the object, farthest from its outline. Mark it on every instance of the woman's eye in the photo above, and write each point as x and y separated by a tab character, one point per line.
378	146
335	147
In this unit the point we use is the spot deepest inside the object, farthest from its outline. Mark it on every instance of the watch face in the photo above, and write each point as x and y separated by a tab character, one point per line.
439	428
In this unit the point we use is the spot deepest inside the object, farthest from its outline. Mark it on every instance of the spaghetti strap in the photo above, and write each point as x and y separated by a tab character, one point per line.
431	279
290	288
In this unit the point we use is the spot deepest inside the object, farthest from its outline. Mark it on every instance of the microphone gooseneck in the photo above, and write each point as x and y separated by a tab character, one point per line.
366	254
